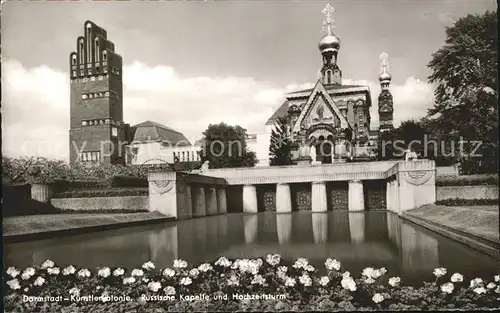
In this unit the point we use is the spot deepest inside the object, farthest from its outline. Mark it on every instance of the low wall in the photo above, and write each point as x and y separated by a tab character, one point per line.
139	203
466	192
452	170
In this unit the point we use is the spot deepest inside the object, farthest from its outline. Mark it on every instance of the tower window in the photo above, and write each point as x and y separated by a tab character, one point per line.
105	55
96	57
73	59
84	96
80	51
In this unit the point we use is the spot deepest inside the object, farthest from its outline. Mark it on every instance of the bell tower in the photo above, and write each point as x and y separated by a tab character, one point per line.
329	45
385	103
96	100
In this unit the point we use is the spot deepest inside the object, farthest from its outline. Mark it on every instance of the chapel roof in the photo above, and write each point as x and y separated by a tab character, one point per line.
152	131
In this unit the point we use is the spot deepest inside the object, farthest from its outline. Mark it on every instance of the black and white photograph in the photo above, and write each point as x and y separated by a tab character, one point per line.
250	156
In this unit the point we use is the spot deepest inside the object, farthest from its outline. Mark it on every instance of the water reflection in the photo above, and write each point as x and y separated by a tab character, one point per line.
358	240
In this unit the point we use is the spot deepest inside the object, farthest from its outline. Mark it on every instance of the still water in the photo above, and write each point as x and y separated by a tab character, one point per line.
357	240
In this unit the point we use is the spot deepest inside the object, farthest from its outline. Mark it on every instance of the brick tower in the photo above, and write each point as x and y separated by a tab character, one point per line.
97	129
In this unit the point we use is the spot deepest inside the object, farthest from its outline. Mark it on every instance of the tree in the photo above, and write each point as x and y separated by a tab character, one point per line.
225	146
32	170
465	71
280	147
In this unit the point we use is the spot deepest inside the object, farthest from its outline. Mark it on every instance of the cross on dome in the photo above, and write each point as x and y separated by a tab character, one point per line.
328	22
385	64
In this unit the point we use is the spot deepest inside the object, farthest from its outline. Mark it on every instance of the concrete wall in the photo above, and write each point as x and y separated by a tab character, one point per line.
447	170
466	192
102	203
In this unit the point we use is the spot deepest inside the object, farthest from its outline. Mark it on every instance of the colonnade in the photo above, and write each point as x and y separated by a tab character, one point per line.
206	200
319	196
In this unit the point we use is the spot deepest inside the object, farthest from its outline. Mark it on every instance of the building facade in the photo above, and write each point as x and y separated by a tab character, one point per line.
331	122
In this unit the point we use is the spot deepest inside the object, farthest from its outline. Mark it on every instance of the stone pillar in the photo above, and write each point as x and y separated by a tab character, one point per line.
188	201
163	193
388	195
318	197
283	198
357	227
320	227
340	151
211	195
200	205
41	192
250	199
284	227
221	200
416	184
250	226
356	196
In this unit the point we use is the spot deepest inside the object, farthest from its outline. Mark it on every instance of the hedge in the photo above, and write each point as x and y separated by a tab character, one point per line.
467	202
108	192
470	180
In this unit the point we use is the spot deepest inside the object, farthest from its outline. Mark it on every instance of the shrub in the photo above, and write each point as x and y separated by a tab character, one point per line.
467	202
471	180
108	192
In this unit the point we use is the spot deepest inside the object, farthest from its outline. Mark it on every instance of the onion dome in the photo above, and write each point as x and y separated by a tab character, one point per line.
385	76
329	42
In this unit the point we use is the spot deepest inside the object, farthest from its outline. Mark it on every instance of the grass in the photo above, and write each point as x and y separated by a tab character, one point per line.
482	221
33	224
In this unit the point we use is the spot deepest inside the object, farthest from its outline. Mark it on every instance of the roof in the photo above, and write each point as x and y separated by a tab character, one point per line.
283	109
152	131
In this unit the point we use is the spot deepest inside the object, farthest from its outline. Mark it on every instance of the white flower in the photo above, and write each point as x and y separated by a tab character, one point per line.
69	270
148	266
377	298
369	280
105	297
348	283
282	269
346	274
447	288
104	272
233	281
47	264
498	289
394	281
305	280
497	278
223	261
12	272
383	270
491	285
324	281
180	263
438	272
168	272
457	278
476	282
480	290
144	279
128	280
74	291
290	282
154	286
376	273
309	268
39	281
137	272
205	267
185	281
14	284
368	272
300	263
27	273
53	271
258	280
273	259
249	266
84	273
194	272
169	290
332	264
118	272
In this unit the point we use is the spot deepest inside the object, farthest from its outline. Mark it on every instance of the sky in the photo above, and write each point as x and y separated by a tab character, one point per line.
191	63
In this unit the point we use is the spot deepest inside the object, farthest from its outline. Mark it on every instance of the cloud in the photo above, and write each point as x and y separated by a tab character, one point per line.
36	103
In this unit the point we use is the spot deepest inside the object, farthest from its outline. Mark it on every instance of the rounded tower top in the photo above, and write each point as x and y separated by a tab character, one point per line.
384	76
329	42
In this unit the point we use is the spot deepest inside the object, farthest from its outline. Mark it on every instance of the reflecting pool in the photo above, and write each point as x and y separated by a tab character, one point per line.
357	240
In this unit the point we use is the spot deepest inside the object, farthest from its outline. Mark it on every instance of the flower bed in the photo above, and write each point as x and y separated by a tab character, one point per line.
239	285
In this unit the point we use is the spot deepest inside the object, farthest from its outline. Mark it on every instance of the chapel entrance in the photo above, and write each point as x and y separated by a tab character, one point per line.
324	149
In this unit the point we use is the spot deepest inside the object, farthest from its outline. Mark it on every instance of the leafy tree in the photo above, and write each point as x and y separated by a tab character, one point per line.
465	71
225	146
280	148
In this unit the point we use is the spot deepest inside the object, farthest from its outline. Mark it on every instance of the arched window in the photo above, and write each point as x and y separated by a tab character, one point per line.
80	51
105	55
89	43
96	50
328	77
73	59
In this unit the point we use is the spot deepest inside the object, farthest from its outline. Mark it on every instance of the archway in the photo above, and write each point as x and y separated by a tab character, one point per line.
324	149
